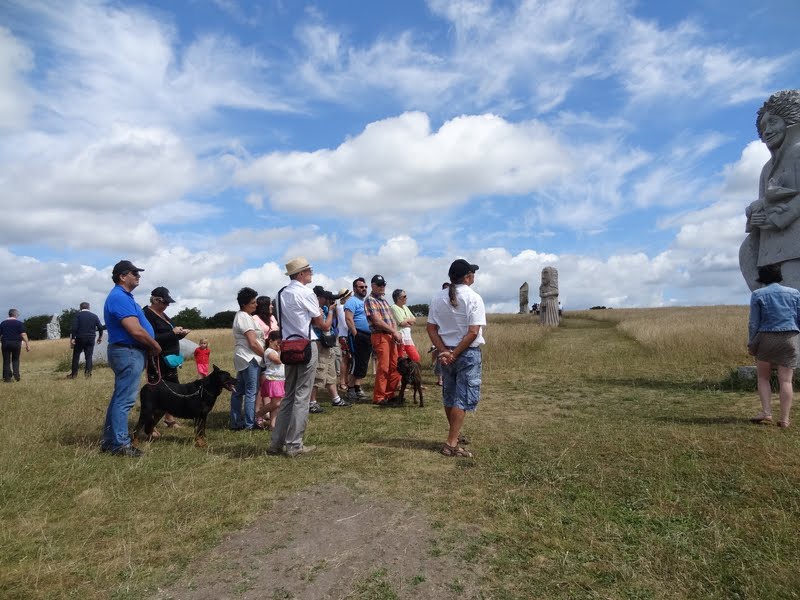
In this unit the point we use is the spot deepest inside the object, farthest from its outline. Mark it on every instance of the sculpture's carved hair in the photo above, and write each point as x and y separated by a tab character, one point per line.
785	104
553	272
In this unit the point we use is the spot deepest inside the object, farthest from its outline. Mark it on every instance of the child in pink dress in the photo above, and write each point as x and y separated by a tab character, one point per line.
273	385
201	357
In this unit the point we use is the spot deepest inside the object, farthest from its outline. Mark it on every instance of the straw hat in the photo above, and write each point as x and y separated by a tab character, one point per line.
344	293
294	266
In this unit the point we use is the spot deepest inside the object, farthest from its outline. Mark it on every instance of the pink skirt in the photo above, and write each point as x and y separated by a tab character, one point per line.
273	389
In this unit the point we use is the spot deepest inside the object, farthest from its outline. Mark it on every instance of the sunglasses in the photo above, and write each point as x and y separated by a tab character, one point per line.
361	287
134	273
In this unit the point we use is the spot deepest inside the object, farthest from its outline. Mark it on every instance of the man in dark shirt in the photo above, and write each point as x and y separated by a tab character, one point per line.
12	336
81	338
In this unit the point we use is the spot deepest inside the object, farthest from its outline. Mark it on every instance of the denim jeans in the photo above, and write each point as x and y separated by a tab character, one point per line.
246	389
461	381
127	364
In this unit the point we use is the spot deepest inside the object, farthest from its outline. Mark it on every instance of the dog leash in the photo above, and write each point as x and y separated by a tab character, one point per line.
160	380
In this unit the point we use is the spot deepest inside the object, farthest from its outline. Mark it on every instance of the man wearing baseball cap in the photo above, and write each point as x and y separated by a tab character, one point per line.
384	338
130	337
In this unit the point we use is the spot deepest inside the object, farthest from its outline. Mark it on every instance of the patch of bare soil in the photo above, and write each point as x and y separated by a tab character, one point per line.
326	543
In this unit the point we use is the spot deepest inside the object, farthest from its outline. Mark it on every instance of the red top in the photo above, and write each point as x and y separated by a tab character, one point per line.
201	355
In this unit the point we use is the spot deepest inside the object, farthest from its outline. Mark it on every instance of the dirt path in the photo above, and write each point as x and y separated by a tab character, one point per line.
327	543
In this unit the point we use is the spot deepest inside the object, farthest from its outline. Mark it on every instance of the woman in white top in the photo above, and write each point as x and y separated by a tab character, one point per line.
456	320
404	319
248	358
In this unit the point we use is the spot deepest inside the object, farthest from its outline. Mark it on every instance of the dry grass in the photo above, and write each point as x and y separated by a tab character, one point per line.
609	465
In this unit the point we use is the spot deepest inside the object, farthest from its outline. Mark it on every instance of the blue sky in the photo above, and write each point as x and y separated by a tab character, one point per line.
210	141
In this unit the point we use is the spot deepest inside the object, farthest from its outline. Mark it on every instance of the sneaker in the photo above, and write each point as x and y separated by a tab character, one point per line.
340	403
295	452
360	395
127	451
315	408
352	395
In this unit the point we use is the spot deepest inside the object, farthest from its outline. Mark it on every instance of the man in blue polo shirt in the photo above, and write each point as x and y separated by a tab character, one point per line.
130	337
359	340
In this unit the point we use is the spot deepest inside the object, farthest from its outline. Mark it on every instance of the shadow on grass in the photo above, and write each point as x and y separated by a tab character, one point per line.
409	443
664	384
703	420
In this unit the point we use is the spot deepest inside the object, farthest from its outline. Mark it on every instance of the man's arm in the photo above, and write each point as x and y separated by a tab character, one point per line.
351	324
137	332
25	339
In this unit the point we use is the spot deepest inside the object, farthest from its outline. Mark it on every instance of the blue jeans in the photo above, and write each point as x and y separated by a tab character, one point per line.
127	364
461	381
246	389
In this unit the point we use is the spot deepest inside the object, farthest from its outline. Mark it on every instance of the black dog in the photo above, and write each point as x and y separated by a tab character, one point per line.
410	372
185	400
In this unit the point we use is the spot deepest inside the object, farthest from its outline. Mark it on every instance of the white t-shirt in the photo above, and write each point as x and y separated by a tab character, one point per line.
454	322
343	331
298	306
273	371
242	353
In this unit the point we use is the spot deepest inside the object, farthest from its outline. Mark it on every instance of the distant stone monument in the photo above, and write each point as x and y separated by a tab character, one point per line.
773	226
523	299
53	329
548	292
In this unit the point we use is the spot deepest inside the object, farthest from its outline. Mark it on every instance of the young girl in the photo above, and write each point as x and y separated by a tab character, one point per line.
272	387
201	357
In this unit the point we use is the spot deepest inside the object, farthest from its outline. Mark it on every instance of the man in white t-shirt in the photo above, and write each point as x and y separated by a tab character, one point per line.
456	319
298	308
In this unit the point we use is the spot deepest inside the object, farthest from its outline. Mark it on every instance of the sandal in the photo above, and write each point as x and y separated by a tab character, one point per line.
762	418
784	424
455	452
172	424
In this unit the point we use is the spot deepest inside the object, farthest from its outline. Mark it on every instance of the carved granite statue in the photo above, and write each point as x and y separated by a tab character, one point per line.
772	224
548	292
523	299
54	329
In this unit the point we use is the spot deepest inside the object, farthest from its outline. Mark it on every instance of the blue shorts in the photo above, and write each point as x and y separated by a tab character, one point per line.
461	381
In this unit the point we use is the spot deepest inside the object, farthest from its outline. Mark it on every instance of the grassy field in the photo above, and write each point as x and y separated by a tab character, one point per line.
611	462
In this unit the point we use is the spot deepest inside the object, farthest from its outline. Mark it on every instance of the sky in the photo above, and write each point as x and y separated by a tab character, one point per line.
210	141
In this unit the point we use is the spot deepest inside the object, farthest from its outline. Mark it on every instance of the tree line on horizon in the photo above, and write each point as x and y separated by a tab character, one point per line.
190	318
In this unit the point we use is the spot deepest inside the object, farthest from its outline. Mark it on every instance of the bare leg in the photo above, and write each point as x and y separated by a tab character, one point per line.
455	417
764	371
786	393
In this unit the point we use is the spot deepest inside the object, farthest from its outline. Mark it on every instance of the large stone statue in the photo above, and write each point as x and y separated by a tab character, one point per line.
523	299
54	329
772	225
548	292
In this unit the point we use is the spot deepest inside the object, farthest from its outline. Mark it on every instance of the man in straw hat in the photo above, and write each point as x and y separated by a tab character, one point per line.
298	309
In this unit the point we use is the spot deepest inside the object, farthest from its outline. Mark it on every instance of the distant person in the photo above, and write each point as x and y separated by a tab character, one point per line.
202	357
130	337
456	319
81	337
385	339
12	337
404	319
165	365
774	333
298	309
358	340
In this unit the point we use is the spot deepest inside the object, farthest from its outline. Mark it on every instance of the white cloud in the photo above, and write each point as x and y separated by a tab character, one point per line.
399	165
15	96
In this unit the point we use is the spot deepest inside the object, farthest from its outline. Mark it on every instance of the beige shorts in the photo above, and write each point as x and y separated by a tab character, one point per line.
326	367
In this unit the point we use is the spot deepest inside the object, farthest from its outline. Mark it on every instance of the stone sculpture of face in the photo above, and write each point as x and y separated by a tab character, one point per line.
773	130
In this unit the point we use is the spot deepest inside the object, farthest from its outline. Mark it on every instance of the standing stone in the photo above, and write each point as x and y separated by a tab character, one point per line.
523	299
53	329
548	292
772	225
